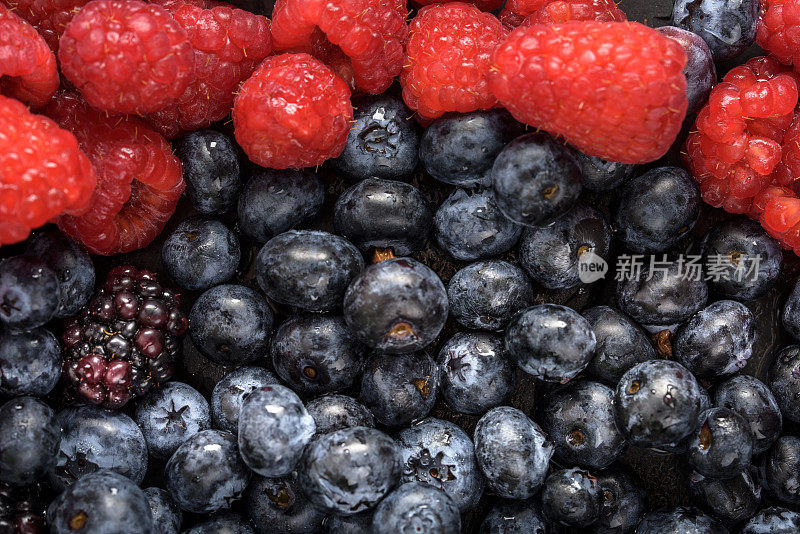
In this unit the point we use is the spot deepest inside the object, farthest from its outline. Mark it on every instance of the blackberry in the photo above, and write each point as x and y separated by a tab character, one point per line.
125	341
22	509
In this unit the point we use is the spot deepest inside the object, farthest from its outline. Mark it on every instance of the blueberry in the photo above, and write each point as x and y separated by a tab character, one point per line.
553	253
316	354
699	70
210	170
383	142
223	523
752	399
308	269
791	312
72	265
781	466
535	178
349	524
623	502
229	393
169	416
723	446
230	324
512	453
439	453
31	435
274	426
350	470
383	214
601	175
680	520
552	342
682	445
200	252
30	362
167	517
396	306
621	344
399	389
733	500
279	505
773	520
515	517
273	201
29	292
206	473
335	412
460	148
729	28
572	497
417	507
784	381
104	502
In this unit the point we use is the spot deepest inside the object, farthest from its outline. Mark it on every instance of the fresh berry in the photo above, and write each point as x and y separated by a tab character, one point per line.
32	440
776	31
728	28
483	5
621	344
280	505
516	516
601	175
572	497
30	362
23	509
781	464
723	446
680	520
210	169
752	399
49	17
623	501
335	412
784	381
733	500
167	517
561	11
230	392
700	72
28	292
413	504
773	520
515	12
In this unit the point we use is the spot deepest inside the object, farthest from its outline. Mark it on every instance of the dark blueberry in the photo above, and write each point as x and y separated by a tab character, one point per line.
699	70
399	389
274	426
512	453
273	201
475	372
733	500
729	28
383	141
416	507
169	416
210	170
308	269
602	175
30	362
30	440
621	344
29	292
723	445
335	412
682	446
572	497
439	453
784	382
206	473
752	399
229	393
278	505
623	502
657	403
579	420
72	265
535	178
201	252
396	306
167	517
791	312
773	520
680	520
460	148
223	523
515	517
348	524
486	294
468	225
557	254
316	354
552	342
231	324
781	468
104	502
383	214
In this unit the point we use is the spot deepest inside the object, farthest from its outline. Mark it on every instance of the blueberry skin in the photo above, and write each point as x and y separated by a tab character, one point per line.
31	434
229	393
279	505
274	426
350	470
169	416
699	70
30	362
621	344
230	324
382	141
791	312
752	399
486	294
680	520
206	473
201	252
657	403
104	502
92	439
73	267
623	502
551	342
348	524
396	306
515	517
682	445
417	507
729	28
733	500
579	420
773	520
399	389
316	354
308	269
439	453
781	465
475	372
376	213
29	292
468	225
210	170
601	175
512	453
723	446
273	201
550	253
784	382
223	523
167	517
335	412
572	497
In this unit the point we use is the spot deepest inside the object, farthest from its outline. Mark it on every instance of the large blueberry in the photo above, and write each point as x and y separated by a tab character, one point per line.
784	381
30	362
229	393
679	520
752	399
623	501
279	505
416	507
733	500
515	517
700	73
29	292
773	520
572	497
781	468
210	170
621	344
723	446
30	436
335	412
601	175
167	516
727	26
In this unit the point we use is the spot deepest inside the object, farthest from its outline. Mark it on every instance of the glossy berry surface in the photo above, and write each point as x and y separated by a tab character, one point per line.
515	516
24	508
601	175
781	463
211	170
753	400
623	501
33	437
335	412
700	72
680	519
230	392
571	497
732	500
784	381
773	520
167	517
729	29
223	523
723	446
280	504
413	505
29	292
30	362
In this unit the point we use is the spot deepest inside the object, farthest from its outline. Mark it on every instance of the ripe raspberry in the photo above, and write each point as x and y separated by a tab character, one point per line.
560	11
27	66
778	29
43	172
292	113
139	181
126	56
49	17
228	46
447	59
370	32
778	209
483	5
515	11
615	90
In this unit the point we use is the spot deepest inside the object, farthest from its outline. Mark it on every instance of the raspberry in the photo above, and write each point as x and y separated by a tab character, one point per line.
292	113
27	66
447	59
560	11
126	56
778	29
515	11
615	90
228	46
49	17
370	32
139	181
483	5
